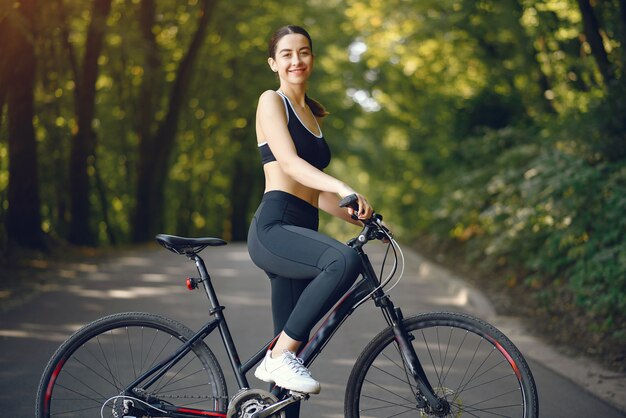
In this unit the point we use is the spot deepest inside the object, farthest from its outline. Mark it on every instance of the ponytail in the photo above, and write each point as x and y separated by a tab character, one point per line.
316	107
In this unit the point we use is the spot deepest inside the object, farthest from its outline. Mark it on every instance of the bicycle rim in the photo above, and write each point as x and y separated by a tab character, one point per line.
469	363
89	372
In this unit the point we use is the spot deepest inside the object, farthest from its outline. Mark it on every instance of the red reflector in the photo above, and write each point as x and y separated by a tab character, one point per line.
190	284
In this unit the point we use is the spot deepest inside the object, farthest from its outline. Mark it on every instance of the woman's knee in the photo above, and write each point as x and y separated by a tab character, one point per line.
350	264
353	264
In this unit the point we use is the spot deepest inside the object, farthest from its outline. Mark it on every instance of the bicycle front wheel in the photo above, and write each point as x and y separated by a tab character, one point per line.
87	375
469	363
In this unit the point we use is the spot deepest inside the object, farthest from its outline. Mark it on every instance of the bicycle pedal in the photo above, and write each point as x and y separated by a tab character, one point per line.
279	406
299	395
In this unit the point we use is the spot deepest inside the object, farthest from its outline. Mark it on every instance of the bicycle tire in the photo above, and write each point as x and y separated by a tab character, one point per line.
88	371
470	363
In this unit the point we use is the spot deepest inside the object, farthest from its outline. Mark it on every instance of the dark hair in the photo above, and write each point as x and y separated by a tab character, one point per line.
316	107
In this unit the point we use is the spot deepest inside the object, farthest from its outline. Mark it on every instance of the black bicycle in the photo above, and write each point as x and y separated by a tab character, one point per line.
439	364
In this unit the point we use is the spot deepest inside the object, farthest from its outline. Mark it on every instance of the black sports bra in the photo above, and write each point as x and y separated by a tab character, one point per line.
310	147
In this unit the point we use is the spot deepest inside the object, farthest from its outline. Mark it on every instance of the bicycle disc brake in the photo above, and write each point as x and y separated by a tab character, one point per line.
249	401
455	408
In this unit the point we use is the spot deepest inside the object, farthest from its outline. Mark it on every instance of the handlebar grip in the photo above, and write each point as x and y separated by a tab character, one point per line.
350	201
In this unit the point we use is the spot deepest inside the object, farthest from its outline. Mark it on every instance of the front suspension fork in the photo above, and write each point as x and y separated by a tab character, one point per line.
403	340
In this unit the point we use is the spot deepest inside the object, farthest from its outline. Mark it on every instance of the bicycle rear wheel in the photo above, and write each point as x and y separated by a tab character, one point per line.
89	372
468	362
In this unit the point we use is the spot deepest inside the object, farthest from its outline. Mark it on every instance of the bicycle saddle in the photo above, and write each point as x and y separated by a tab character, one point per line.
187	246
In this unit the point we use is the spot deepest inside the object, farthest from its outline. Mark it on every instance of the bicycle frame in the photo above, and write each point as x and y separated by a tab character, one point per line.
366	287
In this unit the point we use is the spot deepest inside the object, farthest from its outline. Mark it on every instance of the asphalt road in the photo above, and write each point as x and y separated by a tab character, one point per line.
152	280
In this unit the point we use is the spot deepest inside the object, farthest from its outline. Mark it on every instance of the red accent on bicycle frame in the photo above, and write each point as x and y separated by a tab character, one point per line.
509	359
53	379
200	412
273	342
326	320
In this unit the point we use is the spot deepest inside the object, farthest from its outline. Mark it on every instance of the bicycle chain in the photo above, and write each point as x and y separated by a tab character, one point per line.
148	395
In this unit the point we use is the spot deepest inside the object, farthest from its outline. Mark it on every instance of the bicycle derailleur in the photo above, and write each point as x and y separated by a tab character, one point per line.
257	403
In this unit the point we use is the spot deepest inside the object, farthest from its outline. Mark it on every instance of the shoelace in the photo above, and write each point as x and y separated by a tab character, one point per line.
296	364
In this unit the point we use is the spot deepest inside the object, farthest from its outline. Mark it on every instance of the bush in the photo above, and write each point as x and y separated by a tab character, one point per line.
551	214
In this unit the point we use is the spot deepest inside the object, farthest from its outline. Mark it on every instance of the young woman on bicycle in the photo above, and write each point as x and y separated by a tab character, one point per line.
308	271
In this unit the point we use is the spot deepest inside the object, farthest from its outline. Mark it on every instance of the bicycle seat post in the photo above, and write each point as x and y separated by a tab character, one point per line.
216	310
206	281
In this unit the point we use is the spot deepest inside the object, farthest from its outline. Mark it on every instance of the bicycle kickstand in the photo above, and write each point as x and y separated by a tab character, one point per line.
279	406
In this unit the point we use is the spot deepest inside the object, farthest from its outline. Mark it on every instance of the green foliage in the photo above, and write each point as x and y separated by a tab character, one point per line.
542	210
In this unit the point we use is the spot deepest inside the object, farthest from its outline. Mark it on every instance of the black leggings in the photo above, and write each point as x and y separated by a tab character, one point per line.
309	271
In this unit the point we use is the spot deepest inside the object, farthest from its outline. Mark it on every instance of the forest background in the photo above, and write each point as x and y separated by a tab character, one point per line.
491	134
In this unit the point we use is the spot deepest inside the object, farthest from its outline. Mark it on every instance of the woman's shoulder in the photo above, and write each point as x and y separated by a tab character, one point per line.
269	95
270	100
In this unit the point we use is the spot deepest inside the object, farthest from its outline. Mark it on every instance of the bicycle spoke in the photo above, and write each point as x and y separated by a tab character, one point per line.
432	360
166	383
86	385
493	397
468	367
445	358
82	396
489	411
108	368
387	390
456	355
130	351
487	383
390	374
461	388
390	404
74	411
180	379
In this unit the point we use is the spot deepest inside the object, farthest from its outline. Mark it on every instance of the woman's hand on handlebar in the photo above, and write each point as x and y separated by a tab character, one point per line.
358	206
365	211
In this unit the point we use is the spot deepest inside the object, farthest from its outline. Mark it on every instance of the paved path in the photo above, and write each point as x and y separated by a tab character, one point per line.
152	279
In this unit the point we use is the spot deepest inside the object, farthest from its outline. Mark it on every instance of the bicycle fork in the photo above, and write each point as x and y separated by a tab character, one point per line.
425	396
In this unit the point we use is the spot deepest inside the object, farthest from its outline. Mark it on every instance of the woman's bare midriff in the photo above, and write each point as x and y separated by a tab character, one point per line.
276	179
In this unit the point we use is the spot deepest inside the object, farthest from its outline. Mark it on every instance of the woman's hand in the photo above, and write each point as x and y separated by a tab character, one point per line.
364	211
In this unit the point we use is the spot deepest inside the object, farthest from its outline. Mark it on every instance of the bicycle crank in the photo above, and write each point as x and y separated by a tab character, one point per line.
248	403
279	406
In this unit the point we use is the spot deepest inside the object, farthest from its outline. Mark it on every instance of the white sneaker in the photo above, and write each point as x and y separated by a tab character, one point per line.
288	372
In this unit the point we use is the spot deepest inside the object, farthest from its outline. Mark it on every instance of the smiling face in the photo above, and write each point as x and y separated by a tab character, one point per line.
293	59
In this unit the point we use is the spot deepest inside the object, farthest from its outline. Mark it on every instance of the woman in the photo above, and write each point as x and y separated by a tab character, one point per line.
308	271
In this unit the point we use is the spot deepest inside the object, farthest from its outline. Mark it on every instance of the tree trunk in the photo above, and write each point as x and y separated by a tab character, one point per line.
241	188
23	220
155	150
5	66
622	31
83	143
591	28
151	70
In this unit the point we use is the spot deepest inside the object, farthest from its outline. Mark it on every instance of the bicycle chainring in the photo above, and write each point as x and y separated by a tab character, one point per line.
248	401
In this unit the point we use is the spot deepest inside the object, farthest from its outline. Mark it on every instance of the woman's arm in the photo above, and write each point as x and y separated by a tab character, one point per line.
329	203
